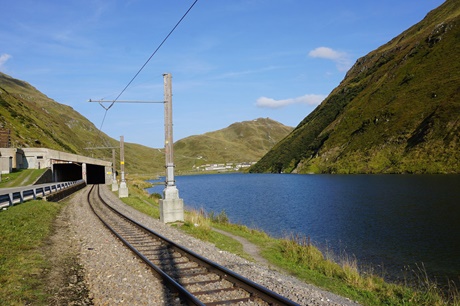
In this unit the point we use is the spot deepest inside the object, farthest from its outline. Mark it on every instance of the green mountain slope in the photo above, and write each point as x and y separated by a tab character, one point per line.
38	121
396	111
245	141
35	120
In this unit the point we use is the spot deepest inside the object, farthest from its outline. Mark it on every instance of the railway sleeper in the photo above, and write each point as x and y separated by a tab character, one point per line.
172	262
214	291
217	285
198	277
232	302
151	250
207	282
224	296
157	250
164	257
146	240
180	274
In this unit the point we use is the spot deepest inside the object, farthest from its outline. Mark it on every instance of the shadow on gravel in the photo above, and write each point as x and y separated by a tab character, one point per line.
169	265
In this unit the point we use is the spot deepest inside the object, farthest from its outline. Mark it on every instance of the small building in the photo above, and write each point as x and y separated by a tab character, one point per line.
6	164
17	157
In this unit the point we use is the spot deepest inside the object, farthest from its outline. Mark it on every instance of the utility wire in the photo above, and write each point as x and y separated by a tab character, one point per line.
154	52
139	71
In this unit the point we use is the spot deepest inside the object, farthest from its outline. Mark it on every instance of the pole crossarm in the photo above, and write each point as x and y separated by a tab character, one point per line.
125	101
171	206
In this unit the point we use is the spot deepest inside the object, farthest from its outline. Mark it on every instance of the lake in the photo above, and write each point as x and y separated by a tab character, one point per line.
389	222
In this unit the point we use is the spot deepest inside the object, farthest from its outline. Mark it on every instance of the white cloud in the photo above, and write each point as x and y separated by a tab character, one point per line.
306	99
324	52
341	59
4	58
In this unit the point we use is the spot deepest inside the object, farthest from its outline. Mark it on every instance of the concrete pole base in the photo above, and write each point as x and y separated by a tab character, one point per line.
123	191
171	207
114	186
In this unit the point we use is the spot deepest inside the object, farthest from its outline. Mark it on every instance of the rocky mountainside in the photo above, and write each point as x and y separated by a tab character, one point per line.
34	120
396	111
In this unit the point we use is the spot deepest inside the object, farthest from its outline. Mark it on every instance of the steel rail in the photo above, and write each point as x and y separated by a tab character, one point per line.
251	287
168	281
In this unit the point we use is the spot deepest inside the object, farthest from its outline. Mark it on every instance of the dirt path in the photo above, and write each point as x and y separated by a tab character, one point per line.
25	180
248	247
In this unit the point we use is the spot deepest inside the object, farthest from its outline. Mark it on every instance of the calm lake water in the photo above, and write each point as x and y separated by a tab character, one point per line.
387	221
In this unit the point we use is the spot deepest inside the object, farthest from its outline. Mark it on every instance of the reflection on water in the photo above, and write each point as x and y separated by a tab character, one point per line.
384	220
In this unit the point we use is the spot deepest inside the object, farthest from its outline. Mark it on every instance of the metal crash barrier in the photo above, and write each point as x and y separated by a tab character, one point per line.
11	196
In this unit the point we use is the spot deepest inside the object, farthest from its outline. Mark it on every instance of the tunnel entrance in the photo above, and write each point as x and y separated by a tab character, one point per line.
67	172
64	172
95	174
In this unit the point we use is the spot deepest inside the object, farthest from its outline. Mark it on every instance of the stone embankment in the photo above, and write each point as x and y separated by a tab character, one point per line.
112	275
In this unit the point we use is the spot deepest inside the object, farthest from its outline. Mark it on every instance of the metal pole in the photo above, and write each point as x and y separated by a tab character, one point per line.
114	172
168	131
122	158
123	191
171	206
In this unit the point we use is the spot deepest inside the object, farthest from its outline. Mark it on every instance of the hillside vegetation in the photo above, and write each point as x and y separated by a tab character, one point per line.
35	120
245	141
396	111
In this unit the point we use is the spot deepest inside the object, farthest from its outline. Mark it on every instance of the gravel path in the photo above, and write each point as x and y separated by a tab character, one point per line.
113	275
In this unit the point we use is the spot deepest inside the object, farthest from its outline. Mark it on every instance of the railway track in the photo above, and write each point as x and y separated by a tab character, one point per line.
195	279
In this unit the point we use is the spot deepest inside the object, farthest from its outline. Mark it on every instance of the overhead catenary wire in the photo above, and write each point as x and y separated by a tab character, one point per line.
153	54
140	69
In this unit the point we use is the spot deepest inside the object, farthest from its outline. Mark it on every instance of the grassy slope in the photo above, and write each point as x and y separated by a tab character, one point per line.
37	121
25	227
296	256
395	111
22	177
240	142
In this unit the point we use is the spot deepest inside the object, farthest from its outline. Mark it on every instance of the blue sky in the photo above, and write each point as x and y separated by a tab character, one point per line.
230	60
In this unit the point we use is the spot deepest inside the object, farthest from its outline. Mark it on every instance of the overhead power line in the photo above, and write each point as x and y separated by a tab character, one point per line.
154	52
142	67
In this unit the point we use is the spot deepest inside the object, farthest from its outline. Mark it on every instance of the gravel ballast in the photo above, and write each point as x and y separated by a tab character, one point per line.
113	275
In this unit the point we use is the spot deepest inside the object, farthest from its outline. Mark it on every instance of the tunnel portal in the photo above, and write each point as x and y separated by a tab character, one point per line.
65	172
95	174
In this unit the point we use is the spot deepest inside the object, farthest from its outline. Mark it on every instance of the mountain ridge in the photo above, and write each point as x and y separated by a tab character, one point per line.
35	120
245	141
394	112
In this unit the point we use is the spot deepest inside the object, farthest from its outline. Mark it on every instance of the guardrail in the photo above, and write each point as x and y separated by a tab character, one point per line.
11	196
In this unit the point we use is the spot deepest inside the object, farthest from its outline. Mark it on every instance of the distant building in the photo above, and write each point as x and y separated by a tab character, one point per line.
224	167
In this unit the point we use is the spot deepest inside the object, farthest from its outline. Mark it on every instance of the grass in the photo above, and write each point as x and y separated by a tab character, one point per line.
200	226
22	177
23	229
197	225
298	256
140	199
